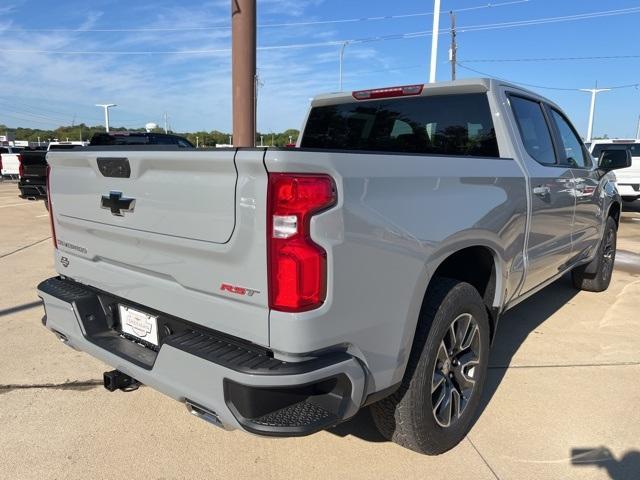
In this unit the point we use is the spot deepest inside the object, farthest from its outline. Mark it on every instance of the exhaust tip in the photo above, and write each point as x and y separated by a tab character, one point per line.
203	413
60	336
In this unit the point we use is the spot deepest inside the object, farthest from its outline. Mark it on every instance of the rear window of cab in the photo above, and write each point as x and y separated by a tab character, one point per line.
454	125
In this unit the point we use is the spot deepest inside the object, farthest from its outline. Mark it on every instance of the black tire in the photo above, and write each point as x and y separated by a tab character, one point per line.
408	417
596	275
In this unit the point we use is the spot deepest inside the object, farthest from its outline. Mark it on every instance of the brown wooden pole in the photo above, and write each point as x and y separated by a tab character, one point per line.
243	23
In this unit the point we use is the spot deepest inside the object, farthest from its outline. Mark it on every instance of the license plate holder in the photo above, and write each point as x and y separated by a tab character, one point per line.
139	325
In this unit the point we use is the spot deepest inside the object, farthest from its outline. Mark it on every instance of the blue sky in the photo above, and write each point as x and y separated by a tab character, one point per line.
41	87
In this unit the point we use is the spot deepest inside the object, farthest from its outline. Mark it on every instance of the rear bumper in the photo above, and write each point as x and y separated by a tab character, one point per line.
32	190
222	379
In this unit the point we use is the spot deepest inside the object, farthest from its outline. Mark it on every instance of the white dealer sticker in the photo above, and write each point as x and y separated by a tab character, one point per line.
139	324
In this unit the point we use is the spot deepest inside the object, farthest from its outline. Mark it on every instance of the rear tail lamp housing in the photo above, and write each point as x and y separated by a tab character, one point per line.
20	166
297	265
49	204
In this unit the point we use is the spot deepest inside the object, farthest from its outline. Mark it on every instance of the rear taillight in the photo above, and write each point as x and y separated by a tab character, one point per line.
297	265
0	164
53	227
20	167
404	91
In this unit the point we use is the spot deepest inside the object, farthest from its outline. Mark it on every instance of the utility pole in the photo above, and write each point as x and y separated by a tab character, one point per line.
165	123
342	48
434	40
106	107
638	130
453	51
592	109
243	30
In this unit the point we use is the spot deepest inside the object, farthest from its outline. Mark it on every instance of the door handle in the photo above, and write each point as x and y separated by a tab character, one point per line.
541	191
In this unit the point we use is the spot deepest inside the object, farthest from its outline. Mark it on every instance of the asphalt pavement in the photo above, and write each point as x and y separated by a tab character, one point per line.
561	402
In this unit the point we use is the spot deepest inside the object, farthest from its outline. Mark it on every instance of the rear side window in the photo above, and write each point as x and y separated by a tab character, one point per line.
534	130
574	152
456	125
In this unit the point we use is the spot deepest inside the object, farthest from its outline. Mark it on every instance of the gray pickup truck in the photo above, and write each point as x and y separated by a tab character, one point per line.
280	291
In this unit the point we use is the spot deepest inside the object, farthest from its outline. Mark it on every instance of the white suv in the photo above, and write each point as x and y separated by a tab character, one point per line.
628	179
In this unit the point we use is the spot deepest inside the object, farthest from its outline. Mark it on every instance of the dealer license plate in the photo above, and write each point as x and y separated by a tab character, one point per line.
139	324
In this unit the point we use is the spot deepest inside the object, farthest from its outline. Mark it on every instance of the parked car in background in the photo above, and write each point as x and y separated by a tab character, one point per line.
33	169
10	161
279	291
139	138
628	179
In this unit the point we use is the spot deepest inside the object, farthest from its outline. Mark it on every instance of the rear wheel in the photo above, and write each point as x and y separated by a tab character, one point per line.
438	399
596	275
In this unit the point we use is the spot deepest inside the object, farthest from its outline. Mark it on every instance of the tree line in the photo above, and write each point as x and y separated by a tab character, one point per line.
201	138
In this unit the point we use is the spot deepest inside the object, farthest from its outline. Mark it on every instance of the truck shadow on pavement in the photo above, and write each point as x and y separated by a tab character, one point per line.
626	468
517	325
514	328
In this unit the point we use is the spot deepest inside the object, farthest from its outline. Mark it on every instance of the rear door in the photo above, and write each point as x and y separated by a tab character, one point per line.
166	228
586	189
552	197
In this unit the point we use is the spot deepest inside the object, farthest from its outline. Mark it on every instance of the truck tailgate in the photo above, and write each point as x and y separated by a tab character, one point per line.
165	229
34	164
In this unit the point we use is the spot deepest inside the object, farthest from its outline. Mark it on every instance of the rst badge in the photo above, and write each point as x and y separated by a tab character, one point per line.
245	292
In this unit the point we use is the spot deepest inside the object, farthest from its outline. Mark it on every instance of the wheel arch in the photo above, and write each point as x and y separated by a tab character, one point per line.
615	210
480	266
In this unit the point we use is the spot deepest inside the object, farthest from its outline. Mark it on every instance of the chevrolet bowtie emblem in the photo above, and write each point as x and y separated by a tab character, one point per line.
117	203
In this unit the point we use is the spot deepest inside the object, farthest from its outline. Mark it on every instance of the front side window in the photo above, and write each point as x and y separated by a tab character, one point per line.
456	125
572	147
534	130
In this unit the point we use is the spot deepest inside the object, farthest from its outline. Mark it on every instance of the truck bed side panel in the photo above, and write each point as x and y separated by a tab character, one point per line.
398	217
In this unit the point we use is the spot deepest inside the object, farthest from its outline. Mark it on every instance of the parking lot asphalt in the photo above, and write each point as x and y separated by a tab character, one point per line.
561	401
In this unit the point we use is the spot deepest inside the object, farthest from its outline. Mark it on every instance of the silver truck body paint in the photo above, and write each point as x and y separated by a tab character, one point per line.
200	222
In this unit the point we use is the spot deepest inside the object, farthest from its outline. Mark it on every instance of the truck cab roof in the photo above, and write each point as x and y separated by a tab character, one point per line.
467	85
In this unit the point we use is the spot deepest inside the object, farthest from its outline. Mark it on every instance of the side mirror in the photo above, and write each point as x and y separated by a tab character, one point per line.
614	159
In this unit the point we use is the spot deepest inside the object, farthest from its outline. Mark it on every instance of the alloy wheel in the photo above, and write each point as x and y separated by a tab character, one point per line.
454	374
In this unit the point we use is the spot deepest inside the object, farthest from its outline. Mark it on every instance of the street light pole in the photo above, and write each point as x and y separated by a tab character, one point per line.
592	109
106	107
638	130
344	45
434	40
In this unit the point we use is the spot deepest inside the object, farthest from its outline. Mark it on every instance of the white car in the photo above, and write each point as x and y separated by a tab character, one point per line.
9	161
628	179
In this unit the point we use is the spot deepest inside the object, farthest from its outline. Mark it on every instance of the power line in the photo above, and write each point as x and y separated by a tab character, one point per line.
550	59
400	36
484	74
263	25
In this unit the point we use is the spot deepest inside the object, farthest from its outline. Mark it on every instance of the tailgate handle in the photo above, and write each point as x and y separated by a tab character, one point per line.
114	167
